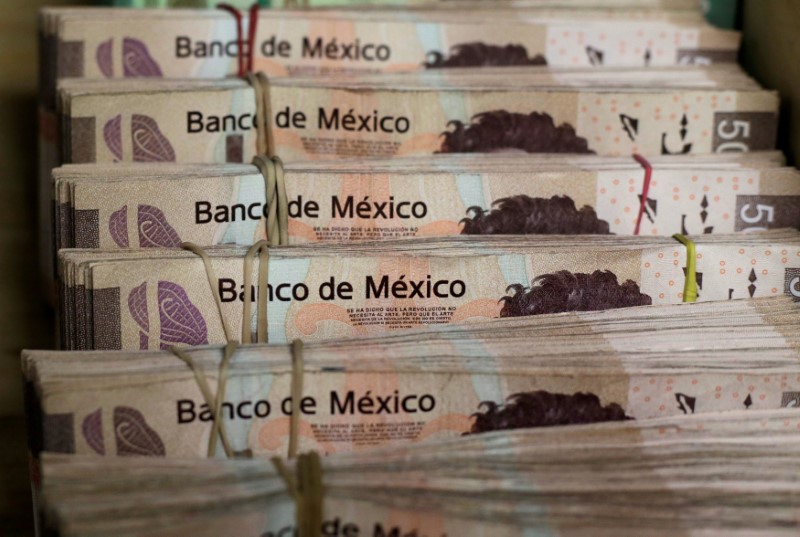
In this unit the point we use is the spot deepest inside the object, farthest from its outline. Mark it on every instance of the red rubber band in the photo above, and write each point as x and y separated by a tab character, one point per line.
240	43
251	36
648	175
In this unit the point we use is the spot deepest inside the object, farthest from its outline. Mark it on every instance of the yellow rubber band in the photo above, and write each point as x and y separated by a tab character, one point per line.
690	287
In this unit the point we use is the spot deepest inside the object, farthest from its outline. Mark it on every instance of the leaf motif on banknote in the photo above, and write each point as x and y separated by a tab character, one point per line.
134	436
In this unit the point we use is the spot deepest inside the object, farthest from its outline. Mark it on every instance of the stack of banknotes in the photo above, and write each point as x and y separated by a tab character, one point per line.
104	44
718	474
156	297
657	112
660	112
690	5
445	246
414	386
144	205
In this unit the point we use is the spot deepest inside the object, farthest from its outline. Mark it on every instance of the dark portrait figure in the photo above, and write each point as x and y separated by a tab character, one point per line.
524	215
500	130
544	409
565	291
479	54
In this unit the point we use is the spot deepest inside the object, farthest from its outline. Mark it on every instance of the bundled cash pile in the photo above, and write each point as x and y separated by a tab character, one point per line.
635	363
413	240
156	297
467	111
151	45
722	474
689	5
328	201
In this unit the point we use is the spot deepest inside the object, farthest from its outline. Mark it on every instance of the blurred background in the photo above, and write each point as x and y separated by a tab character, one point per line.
771	46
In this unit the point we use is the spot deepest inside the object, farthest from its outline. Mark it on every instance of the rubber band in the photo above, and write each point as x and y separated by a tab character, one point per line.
251	36
262	143
264	138
277	226
239	34
265	120
261	249
212	283
214	403
298	368
306	489
245	55
648	176
690	287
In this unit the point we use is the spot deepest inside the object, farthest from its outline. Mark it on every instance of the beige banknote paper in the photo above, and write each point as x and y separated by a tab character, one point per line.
163	205
622	478
149	298
358	393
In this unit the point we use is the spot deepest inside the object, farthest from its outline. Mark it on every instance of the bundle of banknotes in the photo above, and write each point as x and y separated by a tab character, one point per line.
719	474
691	5
658	112
107	43
413	238
163	205
156	297
111	43
413	386
186	43
706	110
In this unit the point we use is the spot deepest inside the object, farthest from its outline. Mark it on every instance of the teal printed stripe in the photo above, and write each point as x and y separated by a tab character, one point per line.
251	190
514	269
240	388
470	189
292	272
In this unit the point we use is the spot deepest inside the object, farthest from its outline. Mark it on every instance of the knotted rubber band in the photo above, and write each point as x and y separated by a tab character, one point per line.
306	489
648	176
298	368
214	403
264	139
690	287
261	140
277	226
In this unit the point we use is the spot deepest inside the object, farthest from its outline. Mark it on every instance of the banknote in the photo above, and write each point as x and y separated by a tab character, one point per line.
121	43
381	390
585	4
146	4
314	118
620	478
411	197
186	43
150	298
